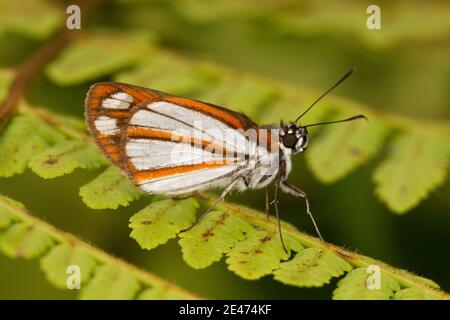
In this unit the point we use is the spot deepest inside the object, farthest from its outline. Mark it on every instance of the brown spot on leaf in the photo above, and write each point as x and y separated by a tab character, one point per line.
146	222
265	239
51	161
355	152
207	233
402	190
258	251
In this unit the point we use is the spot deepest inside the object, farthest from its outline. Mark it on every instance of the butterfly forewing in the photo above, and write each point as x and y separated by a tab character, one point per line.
164	143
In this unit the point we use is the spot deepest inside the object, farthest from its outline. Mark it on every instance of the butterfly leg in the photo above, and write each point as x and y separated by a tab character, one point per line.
220	198
275	202
290	188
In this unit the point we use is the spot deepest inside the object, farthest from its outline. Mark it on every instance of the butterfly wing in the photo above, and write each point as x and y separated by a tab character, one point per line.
166	144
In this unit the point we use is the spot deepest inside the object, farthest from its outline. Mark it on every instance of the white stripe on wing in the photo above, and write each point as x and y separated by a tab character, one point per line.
147	154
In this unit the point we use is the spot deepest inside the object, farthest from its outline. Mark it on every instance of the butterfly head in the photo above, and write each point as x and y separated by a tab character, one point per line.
294	137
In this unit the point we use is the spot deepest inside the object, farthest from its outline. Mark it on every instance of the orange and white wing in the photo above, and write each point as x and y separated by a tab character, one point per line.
166	144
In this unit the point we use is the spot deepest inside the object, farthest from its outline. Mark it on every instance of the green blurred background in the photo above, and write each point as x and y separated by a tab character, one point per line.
403	68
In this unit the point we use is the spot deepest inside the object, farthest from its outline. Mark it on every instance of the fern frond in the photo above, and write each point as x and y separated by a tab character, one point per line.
214	236
93	57
311	267
355	286
27	241
112	283
24	137
253	250
156	224
65	157
341	149
418	164
102	276
55	263
109	190
260	253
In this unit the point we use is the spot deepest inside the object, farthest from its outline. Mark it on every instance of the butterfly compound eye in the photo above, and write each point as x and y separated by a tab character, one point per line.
289	140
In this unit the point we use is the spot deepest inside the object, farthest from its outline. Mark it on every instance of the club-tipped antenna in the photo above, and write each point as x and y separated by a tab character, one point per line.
345	76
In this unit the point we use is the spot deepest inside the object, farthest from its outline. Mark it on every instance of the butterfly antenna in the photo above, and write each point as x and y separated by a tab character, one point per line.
359	116
342	79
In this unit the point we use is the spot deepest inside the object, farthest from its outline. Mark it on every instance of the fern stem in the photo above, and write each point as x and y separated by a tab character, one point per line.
145	277
405	278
